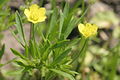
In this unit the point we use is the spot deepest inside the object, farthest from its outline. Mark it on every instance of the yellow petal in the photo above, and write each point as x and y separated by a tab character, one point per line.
27	13
42	11
88	25
88	29
81	27
34	7
33	21
41	19
35	14
95	26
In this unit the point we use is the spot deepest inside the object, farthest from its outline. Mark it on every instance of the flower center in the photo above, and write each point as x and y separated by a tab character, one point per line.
34	15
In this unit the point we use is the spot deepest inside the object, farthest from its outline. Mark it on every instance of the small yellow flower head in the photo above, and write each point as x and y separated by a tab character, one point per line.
35	14
88	29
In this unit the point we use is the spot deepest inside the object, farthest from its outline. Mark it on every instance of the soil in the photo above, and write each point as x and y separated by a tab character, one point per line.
115	4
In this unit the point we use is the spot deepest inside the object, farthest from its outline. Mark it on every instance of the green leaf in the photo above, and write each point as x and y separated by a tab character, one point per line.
17	54
66	9
53	22
14	72
76	5
32	49
61	23
45	47
53	2
19	27
26	51
1	65
112	62
2	2
70	27
50	75
2	51
38	52
83	14
25	65
45	50
14	35
82	51
20	63
67	18
63	74
60	44
61	56
69	71
74	42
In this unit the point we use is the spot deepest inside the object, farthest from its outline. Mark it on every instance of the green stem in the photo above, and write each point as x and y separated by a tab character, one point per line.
82	49
1	76
42	35
42	78
32	32
83	8
83	5
53	2
41	2
30	36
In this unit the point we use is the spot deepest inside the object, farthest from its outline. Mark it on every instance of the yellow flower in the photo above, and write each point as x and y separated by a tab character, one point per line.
35	14
88	29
